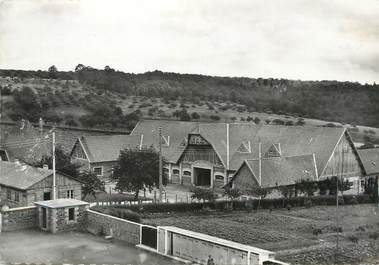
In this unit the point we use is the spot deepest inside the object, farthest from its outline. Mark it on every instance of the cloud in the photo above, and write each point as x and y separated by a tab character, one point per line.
297	39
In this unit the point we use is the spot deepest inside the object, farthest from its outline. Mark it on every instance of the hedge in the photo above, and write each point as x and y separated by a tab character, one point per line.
244	204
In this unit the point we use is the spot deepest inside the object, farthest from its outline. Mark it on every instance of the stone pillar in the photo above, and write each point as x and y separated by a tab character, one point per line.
53	220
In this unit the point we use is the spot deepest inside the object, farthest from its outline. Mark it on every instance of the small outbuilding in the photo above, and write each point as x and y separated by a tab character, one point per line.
61	215
21	184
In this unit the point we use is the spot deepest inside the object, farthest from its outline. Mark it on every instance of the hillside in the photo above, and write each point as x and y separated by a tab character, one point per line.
108	98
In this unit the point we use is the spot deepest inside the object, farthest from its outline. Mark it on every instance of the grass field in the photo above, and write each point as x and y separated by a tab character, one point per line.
291	233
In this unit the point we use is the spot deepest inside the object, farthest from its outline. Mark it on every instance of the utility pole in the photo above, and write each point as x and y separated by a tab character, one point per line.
160	165
54	175
337	204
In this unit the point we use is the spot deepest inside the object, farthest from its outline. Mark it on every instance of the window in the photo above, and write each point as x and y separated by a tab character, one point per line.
245	147
219	177
17	196
98	171
274	151
9	194
186	173
175	171
70	194
46	196
71	214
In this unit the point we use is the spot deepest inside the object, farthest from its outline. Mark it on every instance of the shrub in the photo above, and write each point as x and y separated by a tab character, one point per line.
316	231
195	115
203	194
215	117
360	228
353	239
308	203
374	235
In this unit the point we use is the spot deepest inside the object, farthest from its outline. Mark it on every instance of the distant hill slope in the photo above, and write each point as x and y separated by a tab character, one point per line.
110	99
345	102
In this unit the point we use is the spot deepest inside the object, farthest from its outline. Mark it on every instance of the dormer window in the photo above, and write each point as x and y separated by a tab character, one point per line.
165	140
245	147
274	151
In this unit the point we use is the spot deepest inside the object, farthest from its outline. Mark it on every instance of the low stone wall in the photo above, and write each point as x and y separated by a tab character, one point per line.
18	218
106	225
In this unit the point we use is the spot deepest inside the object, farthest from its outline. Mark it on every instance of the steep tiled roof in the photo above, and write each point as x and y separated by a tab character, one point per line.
21	176
278	171
25	142
107	147
370	160
177	131
294	140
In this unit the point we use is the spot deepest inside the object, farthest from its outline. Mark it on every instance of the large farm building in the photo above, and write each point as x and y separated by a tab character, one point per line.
213	154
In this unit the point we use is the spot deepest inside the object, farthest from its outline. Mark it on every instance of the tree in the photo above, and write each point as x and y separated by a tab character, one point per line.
232	193
136	170
79	67
306	186
91	183
53	71
259	192
195	115
203	194
257	120
182	115
26	105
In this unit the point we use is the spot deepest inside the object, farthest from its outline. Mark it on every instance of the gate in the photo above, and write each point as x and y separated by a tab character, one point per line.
149	236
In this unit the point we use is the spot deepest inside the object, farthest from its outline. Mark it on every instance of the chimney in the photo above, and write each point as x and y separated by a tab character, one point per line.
45	166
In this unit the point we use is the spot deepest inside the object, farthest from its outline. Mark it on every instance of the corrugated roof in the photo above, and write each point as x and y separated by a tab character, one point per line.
370	160
279	171
21	176
107	147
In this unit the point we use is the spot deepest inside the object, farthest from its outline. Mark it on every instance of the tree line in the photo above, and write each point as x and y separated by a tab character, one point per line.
348	102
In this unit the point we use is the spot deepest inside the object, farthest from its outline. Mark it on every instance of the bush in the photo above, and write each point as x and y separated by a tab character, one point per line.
215	117
353	239
203	194
317	231
374	235
126	214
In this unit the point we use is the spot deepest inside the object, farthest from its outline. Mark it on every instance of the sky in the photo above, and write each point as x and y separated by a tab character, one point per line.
294	39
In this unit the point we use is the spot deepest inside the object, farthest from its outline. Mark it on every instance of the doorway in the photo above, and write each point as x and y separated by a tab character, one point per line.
202	176
44	218
149	236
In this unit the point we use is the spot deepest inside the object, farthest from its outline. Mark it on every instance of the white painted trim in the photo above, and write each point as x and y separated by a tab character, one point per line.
314	161
259	164
102	170
81	144
141	142
132	132
227	146
334	149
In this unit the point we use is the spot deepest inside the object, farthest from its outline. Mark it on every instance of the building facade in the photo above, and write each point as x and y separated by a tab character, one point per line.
99	154
209	154
22	185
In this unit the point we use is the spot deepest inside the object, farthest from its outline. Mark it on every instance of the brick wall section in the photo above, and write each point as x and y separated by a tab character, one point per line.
102	224
19	218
